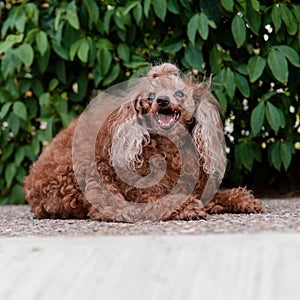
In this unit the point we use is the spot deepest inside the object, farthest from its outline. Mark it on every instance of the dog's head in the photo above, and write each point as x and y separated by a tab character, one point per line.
165	99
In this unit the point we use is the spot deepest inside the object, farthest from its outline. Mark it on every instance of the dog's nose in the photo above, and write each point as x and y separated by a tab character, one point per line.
163	101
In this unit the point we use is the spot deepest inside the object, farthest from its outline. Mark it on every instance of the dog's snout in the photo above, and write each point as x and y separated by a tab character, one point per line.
163	101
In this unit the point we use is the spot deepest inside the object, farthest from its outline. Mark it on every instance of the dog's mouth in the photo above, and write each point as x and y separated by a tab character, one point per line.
167	118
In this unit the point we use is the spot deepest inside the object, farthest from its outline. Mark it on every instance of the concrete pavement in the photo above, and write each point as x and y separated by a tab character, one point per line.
210	266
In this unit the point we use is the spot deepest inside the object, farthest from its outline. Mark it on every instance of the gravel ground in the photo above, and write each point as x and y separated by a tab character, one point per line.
281	216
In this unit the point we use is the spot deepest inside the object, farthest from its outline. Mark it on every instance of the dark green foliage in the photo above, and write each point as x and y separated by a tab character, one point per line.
53	54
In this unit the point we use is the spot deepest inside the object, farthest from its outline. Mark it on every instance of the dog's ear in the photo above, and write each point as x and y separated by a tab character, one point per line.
128	138
208	133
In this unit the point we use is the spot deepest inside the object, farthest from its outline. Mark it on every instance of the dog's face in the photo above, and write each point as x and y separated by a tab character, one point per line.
167	103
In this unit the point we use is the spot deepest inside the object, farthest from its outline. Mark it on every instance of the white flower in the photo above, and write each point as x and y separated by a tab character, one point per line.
43	125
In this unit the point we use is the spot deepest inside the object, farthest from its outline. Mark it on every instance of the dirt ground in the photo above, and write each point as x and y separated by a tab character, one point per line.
281	215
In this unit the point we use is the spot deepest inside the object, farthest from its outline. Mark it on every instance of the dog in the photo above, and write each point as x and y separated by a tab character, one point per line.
164	109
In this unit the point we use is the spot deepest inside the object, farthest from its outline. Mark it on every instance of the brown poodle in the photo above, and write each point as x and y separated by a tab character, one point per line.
130	181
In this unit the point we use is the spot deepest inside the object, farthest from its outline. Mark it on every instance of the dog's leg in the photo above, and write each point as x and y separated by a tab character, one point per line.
237	200
192	209
110	207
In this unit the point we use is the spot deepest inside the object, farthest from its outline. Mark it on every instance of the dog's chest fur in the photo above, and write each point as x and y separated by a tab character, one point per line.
158	145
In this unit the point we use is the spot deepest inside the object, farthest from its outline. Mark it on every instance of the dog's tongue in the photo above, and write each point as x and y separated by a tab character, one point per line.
166	119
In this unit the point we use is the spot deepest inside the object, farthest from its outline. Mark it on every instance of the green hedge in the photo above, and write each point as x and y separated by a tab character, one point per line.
53	54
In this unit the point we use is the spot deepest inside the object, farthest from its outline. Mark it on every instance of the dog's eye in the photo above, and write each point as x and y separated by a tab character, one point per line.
179	94
151	96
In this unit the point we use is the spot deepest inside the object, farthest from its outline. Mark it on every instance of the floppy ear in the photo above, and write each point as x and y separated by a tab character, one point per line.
128	138
208	134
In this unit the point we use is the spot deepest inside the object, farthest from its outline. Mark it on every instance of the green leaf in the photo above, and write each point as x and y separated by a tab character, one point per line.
238	29
37	87
44	99
4	46
138	13
93	9
104	60
173	7
17	196
171	45
10	63
5	96
253	19
43	60
7	151
4	110
124	52
83	50
73	49
242	84
20	19
160	8
129	6
19	109
296	10
257	117
60	50
256	65
229	82
30	35
203	27
19	156
15	38
135	64
192	28
268	95
53	84
228	5
104	43
41	42
60	71
14	123
71	15
215	60
274	155
273	116
10	173
96	75
286	155
193	57
220	95
278	65
32	12
113	75
26	54
147	4
276	17
92	52
106	20
290	53
288	19
255	5
212	11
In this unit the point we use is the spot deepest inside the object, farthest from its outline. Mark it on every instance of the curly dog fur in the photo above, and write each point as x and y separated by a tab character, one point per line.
52	189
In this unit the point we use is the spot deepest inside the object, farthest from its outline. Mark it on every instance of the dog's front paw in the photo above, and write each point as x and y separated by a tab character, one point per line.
237	201
190	214
250	206
214	208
